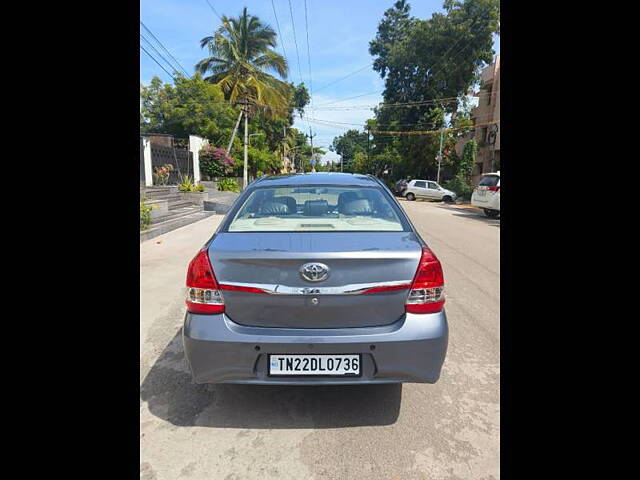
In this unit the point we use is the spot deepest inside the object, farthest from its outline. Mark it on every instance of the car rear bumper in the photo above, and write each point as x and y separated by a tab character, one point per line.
488	201
221	351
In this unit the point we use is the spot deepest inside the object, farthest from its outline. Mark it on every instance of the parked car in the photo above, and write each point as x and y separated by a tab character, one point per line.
302	287
486	194
429	190
400	187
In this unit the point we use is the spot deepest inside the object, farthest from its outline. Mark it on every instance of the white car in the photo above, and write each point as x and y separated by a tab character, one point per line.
486	195
428	190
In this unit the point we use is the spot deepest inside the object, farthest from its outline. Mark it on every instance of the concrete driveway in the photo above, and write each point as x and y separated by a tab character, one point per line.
449	430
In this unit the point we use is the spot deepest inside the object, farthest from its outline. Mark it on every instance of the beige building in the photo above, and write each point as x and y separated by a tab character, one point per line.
487	118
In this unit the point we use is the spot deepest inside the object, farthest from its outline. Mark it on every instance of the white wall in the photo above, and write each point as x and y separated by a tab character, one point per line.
148	171
195	144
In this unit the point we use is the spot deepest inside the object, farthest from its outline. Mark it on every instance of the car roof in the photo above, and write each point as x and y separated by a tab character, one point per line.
317	178
495	174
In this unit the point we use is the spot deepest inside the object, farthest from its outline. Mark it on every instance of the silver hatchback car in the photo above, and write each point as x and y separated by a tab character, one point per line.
315	279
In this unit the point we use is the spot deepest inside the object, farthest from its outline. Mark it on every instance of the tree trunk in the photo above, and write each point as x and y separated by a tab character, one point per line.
246	151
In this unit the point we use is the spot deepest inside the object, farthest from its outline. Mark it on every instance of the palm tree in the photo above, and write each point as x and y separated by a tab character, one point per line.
241	55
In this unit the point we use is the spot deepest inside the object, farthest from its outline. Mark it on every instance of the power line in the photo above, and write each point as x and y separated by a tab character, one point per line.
214	10
306	25
442	58
426	132
175	70
350	98
279	32
293	24
401	104
417	102
152	58
164	48
340	79
458	41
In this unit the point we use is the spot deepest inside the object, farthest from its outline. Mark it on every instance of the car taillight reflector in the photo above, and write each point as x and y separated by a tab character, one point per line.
203	292
388	288
427	291
493	189
238	288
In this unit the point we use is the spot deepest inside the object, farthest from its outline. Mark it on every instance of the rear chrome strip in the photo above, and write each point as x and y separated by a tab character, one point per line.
353	289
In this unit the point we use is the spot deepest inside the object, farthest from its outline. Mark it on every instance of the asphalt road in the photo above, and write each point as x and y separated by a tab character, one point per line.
450	430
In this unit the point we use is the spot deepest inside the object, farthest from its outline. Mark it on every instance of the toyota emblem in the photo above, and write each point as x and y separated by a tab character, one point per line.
314	272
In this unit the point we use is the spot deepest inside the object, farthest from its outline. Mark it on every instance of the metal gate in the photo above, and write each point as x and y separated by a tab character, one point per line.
180	158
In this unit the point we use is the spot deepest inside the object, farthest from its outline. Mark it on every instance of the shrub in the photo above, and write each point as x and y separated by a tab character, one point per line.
228	185
459	185
188	185
145	214
214	162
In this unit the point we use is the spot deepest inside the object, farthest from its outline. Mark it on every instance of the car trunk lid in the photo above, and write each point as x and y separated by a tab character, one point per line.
262	284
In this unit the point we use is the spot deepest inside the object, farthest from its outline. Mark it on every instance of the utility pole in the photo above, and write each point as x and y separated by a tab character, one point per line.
368	159
235	129
313	163
440	154
284	144
245	176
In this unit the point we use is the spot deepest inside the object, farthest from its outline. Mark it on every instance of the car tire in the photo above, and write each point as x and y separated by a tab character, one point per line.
410	196
491	213
447	199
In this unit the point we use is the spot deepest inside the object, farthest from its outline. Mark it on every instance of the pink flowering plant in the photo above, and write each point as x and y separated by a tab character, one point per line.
214	162
162	173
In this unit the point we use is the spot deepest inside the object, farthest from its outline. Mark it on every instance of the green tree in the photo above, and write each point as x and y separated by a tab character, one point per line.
240	56
190	107
348	144
461	182
424	61
301	98
468	159
359	163
391	30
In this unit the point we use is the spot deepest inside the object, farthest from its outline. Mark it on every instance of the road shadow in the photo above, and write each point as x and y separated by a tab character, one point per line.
481	217
171	395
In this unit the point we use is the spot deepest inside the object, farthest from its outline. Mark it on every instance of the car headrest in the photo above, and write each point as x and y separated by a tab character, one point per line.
361	206
315	208
289	202
345	197
274	208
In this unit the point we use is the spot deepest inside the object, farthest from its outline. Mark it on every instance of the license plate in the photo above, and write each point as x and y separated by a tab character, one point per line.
482	193
335	365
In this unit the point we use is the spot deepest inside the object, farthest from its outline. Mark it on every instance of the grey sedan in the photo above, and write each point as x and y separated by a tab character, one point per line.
315	279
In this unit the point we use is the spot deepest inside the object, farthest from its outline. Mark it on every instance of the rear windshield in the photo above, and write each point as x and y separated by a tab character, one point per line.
489	181
313	208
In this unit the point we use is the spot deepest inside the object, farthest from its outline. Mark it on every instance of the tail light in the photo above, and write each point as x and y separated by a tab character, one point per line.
427	291
493	189
203	294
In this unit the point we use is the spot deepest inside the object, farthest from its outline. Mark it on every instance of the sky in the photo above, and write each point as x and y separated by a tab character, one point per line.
339	33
